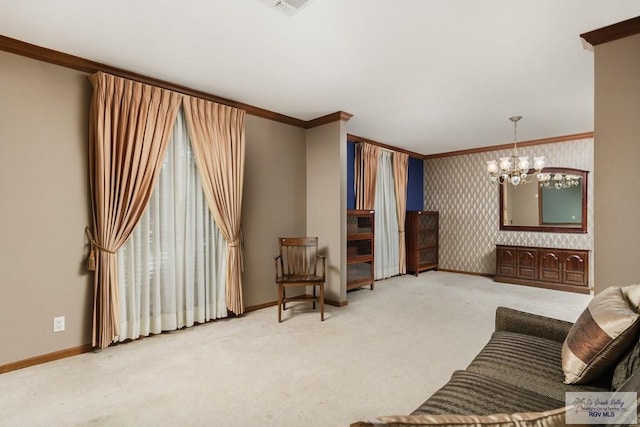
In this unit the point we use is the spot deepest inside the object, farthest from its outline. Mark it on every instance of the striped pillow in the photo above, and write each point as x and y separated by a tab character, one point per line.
602	333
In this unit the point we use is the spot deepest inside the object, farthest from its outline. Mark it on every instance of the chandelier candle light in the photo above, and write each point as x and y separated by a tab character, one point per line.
559	181
515	169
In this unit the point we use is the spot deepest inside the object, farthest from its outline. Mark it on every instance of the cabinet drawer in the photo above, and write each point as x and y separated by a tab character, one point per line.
575	268
506	270
527	263
506	262
550	266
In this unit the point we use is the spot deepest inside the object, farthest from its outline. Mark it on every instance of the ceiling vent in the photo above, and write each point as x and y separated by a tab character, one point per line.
288	7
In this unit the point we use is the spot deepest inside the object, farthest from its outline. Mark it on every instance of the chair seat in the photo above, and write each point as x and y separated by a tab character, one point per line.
300	278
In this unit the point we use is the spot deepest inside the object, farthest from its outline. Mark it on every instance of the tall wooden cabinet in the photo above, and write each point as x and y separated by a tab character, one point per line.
553	268
421	239
360	249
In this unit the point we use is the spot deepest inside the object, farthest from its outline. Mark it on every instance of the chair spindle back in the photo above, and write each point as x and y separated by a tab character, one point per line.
298	255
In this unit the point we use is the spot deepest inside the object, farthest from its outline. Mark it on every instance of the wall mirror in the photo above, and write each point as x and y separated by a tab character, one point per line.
557	203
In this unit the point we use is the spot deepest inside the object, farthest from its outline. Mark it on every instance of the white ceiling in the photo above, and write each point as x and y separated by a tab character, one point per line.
429	76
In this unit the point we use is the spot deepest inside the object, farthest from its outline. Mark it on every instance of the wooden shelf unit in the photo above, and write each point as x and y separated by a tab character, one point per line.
551	268
360	248
421	240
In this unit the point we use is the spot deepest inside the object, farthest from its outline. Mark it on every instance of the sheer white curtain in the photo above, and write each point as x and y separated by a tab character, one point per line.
386	256
172	269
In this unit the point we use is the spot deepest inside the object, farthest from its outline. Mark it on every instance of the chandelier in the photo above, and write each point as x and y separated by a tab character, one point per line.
559	180
515	169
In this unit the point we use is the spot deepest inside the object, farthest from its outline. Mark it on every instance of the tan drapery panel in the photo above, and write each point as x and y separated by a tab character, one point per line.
129	128
400	173
217	137
367	157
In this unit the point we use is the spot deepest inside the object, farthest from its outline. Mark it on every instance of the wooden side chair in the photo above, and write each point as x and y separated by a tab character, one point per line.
297	266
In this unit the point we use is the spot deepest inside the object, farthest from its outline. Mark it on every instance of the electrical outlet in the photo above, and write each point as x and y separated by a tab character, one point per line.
58	324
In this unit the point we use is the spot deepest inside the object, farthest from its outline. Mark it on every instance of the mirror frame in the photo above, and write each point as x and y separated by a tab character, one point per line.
550	228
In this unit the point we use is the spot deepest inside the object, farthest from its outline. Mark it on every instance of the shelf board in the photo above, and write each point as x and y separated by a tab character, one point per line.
359	284
362	259
364	236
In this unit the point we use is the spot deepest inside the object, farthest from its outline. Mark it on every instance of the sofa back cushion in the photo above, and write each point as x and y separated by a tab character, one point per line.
628	366
601	335
632	384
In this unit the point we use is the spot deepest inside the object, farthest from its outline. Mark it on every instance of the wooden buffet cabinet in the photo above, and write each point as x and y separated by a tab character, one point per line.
552	268
360	248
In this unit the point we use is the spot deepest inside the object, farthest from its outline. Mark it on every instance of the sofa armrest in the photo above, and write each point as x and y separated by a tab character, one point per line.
510	320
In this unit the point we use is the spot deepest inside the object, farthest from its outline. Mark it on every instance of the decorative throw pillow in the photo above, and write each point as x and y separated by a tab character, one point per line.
632	294
602	333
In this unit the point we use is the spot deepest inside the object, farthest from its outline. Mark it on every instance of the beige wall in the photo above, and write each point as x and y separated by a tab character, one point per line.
326	201
459	188
274	202
617	151
45	207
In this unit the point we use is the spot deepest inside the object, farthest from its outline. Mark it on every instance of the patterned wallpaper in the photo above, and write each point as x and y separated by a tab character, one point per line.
459	188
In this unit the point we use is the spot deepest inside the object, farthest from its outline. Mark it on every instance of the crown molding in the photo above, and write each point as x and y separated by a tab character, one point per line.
613	32
329	118
542	141
356	138
62	59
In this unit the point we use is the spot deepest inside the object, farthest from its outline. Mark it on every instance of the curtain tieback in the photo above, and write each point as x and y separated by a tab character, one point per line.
238	243
91	259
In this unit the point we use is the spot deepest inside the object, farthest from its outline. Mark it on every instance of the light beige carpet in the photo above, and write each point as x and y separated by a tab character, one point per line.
383	354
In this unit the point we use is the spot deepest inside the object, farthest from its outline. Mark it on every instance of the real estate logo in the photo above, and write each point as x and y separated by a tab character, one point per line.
602	408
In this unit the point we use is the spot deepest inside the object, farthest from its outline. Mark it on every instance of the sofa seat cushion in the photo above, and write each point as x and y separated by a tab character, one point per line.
529	362
470	393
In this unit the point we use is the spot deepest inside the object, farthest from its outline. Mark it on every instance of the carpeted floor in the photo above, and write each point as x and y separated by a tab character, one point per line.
383	354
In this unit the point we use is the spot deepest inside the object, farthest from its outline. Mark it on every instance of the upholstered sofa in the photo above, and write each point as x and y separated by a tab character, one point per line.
520	377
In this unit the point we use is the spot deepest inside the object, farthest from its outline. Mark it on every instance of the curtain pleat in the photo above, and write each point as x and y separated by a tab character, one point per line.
366	171
400	176
386	224
129	130
217	136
